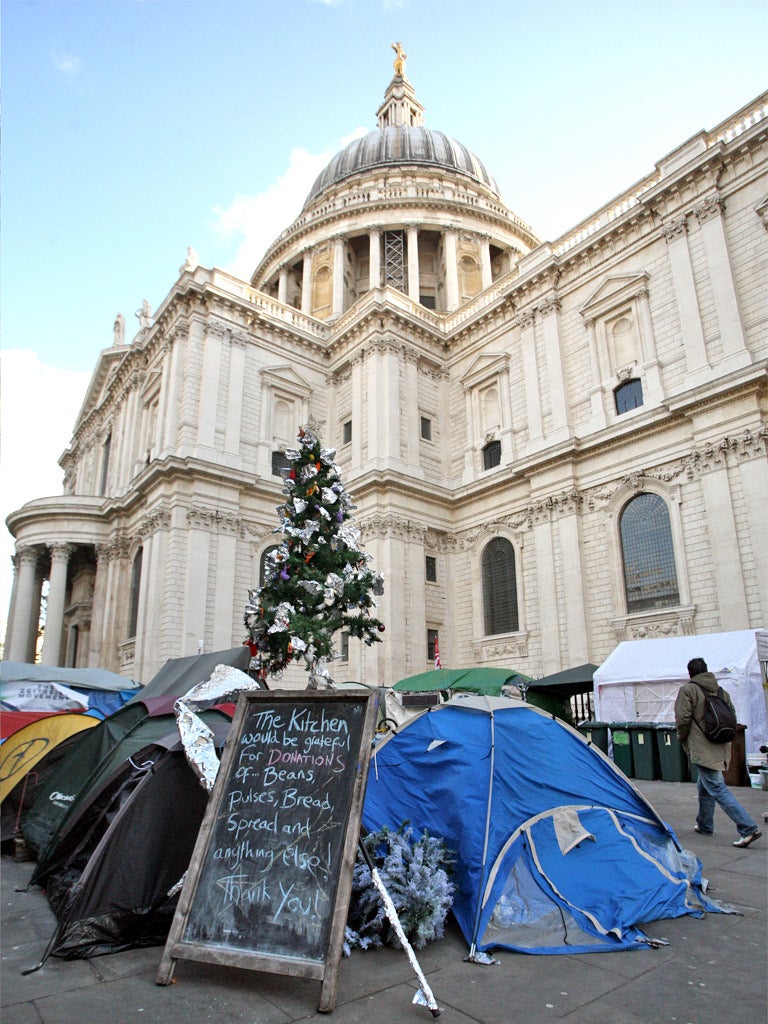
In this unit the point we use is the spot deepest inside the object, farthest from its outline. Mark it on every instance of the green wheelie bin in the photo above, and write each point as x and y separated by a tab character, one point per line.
673	760
595	733
645	753
622	748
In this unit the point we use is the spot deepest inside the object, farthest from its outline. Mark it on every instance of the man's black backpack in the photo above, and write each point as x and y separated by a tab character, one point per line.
719	721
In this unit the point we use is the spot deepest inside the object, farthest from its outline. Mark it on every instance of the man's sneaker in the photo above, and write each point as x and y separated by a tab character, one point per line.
746	841
701	831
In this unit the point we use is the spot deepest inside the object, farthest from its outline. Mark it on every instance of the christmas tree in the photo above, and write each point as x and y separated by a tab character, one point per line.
316	581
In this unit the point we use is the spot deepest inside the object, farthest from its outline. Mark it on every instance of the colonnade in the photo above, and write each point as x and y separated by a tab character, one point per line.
411	269
32	564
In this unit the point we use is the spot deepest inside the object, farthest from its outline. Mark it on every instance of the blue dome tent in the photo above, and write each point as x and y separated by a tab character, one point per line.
556	851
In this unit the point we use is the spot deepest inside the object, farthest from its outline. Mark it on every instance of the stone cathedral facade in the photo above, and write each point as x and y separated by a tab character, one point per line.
552	446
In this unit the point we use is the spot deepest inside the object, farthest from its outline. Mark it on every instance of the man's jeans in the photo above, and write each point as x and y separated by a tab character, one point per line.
712	789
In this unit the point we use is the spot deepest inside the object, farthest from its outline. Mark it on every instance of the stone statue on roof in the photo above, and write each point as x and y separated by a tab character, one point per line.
118	330
144	315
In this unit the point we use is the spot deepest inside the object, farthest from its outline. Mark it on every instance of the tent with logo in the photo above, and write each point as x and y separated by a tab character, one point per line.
556	851
28	745
89	768
639	679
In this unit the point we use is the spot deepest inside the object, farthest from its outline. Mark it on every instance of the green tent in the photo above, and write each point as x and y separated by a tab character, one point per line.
486	681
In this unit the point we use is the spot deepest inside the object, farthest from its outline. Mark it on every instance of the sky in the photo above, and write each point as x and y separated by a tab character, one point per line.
134	129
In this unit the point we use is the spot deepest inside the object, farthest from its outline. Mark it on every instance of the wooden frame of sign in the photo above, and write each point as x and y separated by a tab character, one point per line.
270	878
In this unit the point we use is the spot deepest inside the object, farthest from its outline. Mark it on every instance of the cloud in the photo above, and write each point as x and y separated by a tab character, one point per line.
38	408
67	64
261	218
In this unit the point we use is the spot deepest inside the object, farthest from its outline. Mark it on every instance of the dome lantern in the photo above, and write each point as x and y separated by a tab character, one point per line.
400	106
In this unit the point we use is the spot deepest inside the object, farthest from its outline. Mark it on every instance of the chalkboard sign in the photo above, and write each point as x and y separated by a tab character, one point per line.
269	881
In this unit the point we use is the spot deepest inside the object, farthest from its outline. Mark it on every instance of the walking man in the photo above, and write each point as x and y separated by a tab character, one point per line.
711	759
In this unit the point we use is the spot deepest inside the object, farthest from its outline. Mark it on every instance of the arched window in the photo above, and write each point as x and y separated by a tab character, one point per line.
650	577
133	613
499	588
492	454
628	395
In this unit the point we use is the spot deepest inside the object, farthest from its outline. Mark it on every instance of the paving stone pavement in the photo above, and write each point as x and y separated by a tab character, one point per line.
714	970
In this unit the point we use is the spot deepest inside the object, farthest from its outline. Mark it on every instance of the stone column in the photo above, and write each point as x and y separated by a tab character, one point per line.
710	217
338	276
526	322
451	269
413	263
235	391
374	259
189	388
116	585
412	412
11	606
208	397
383	403
168	413
57	595
282	286
306	283
559	405
196	586
726	565
654	390
357	388
227	559
676	234
129	429
486	274
26	609
547	603
96	654
149	620
470	450
573	576
754	484
597	416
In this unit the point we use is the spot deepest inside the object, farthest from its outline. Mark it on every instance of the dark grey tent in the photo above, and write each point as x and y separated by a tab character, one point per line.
109	877
556	692
569	682
178	675
89	770
83	764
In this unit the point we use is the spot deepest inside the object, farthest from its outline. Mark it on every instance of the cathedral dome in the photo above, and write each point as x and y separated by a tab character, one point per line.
397	146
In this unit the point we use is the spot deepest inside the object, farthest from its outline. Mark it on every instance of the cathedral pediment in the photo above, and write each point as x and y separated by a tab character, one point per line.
101	381
612	292
484	367
285	377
